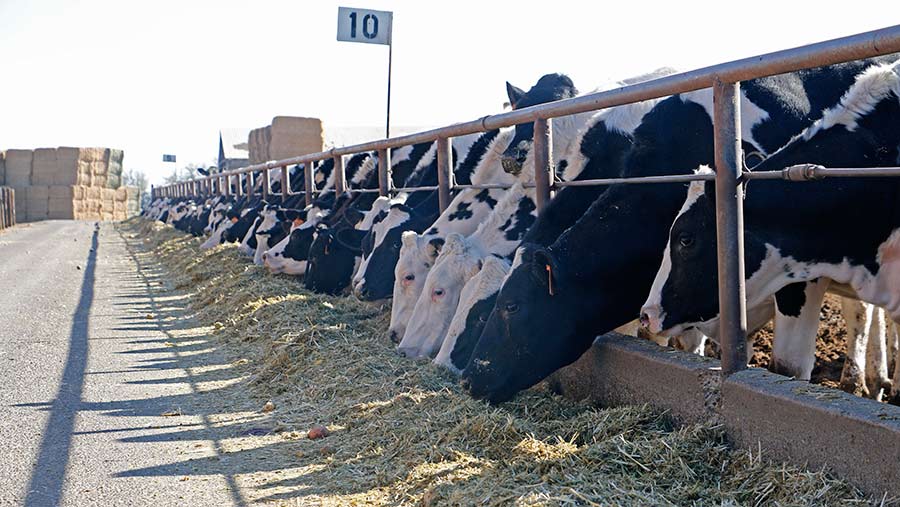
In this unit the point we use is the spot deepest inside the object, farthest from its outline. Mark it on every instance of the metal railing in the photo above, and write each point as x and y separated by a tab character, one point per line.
724	79
7	207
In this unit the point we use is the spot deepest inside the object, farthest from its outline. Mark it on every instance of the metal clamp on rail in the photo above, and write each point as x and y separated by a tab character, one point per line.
802	172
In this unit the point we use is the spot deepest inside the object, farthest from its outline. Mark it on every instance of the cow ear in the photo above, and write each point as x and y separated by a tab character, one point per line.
434	248
546	270
410	239
515	94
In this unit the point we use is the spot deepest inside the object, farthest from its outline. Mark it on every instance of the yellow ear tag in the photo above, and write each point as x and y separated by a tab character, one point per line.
549	278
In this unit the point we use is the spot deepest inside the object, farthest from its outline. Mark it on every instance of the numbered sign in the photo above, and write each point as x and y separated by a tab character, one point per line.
168	158
363	25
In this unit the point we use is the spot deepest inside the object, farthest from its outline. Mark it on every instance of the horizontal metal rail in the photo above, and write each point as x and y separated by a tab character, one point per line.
810	172
854	47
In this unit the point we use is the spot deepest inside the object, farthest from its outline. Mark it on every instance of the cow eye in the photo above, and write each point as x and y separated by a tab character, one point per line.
409	277
512	307
483	318
396	246
438	292
686	240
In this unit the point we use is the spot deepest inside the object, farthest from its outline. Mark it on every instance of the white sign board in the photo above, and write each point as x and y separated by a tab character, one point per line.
364	25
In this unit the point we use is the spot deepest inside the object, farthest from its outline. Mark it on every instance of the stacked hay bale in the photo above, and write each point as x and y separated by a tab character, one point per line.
2	168
66	183
114	167
18	176
287	136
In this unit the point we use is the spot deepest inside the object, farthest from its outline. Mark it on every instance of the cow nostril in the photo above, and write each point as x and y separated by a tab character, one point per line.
645	319
394	337
466	384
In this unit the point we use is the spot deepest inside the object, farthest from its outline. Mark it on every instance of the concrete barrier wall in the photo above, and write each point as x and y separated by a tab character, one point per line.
787	420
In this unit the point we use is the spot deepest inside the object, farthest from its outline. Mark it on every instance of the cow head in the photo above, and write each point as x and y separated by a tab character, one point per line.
476	302
549	88
457	263
417	255
685	287
290	255
375	279
538	302
332	258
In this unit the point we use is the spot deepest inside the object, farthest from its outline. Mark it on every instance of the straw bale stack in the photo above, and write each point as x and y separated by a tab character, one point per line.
287	136
37	203
18	168
2	168
43	166
62	202
292	136
114	167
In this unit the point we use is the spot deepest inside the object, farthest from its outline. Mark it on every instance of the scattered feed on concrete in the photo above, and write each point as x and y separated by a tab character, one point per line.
402	432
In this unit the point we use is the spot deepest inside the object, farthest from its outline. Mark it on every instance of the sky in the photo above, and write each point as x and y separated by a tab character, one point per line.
163	76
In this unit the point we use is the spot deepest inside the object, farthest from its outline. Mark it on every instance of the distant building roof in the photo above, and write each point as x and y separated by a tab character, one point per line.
234	143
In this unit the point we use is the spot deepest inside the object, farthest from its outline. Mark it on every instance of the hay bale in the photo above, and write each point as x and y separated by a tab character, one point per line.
2	168
108	194
19	199
18	167
121	194
62	192
114	167
291	136
43	166
66	172
78	192
92	194
37	193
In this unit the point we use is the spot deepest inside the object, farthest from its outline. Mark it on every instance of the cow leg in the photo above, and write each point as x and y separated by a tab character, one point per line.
894	334
797	310
857	317
876	355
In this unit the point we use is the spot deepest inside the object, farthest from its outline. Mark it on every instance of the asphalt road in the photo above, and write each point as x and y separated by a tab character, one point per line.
87	377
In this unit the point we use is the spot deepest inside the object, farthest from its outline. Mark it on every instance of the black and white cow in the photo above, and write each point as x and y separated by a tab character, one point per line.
844	230
459	261
594	277
375	277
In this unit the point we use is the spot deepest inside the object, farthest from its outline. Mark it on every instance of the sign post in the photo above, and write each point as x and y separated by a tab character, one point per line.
369	27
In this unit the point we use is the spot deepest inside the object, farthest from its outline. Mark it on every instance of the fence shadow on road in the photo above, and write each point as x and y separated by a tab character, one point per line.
45	486
250	451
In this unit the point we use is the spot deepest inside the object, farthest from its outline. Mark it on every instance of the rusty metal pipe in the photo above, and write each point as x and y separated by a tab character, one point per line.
730	226
543	162
445	174
309	182
384	171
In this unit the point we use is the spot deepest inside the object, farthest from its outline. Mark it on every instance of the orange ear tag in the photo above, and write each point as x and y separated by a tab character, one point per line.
298	222
549	278
234	220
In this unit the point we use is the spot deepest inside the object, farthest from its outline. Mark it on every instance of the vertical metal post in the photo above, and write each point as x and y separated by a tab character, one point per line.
240	183
543	162
730	227
339	182
384	172
445	175
285	184
226	185
309	182
387	126
265	183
